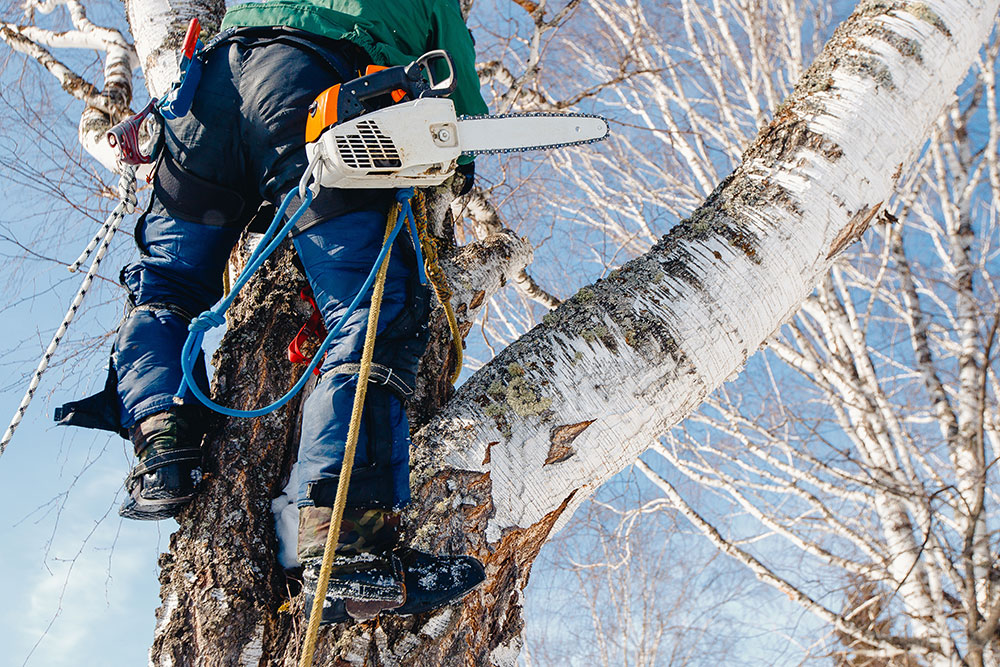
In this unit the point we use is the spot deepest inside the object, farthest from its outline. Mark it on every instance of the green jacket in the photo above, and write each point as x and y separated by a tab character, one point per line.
393	32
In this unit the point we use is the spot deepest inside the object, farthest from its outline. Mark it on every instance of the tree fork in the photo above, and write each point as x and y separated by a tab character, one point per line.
221	585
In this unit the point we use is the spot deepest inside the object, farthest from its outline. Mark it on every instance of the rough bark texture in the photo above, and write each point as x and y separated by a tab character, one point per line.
221	585
634	353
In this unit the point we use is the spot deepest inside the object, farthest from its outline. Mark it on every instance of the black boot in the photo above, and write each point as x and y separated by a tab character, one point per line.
435	581
370	576
430	582
168	466
366	578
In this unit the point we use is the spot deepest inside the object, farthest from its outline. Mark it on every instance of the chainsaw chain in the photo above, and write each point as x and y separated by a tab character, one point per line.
540	147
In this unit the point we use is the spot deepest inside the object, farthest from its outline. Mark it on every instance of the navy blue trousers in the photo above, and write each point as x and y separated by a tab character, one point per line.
242	144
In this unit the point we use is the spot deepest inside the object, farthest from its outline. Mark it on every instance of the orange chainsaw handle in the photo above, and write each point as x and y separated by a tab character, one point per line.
323	112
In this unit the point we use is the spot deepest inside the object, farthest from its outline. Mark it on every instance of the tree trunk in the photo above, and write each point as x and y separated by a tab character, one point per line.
580	396
221	585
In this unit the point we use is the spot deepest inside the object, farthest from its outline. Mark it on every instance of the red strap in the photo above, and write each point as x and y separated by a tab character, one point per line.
191	38
312	327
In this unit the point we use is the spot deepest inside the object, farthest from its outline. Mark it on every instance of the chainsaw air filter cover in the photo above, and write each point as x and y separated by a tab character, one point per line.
407	144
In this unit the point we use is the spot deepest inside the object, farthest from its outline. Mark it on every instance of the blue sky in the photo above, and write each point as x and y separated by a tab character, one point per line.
77	580
79	584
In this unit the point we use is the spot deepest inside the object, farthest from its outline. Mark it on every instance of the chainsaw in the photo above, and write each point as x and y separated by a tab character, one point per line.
395	127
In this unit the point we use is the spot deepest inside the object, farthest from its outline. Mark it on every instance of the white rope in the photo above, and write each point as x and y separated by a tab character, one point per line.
126	188
101	233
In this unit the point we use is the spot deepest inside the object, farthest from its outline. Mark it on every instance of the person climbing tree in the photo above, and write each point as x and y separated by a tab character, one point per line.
241	147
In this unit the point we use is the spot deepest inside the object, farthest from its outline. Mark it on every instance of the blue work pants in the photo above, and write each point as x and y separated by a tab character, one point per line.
243	144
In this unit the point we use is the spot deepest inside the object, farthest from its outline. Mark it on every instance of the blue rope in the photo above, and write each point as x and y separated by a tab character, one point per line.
215	316
416	245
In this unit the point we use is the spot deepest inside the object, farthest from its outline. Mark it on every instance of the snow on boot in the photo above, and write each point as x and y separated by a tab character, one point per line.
168	467
429	581
435	581
333	610
363	584
366	577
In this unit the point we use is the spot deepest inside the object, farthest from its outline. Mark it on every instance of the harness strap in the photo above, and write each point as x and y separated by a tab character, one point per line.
154	306
158	461
379	374
307	41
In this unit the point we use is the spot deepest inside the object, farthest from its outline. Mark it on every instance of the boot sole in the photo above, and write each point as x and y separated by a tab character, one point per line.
153	510
366	592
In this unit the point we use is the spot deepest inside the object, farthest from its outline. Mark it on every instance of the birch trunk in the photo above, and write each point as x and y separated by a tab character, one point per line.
158	28
575	400
629	356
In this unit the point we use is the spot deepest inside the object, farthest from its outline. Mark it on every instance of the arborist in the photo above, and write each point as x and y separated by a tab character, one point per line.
240	147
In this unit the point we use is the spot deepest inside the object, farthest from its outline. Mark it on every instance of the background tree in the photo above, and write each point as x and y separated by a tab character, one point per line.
921	320
874	450
619	587
526	439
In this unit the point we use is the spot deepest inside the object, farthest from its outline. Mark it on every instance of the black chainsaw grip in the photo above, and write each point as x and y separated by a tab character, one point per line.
382	82
409	79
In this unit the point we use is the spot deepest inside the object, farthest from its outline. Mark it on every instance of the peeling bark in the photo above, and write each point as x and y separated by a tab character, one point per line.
639	350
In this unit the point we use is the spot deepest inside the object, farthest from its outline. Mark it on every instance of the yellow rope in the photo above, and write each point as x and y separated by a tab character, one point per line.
309	646
439	281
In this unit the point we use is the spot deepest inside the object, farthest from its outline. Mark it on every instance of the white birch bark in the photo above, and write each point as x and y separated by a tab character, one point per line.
158	28
579	397
105	106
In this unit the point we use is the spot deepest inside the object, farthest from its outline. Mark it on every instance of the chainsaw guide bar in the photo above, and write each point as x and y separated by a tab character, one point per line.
502	128
418	143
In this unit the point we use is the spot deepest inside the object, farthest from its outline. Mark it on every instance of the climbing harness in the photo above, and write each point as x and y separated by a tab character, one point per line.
272	238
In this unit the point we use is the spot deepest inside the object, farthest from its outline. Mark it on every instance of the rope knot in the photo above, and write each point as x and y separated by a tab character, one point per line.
207	320
404	195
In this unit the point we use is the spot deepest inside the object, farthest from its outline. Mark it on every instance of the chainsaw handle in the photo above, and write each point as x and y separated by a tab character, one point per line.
438	88
381	82
346	101
410	79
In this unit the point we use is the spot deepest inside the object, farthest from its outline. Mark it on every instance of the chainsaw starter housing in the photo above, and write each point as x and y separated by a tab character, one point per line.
407	144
